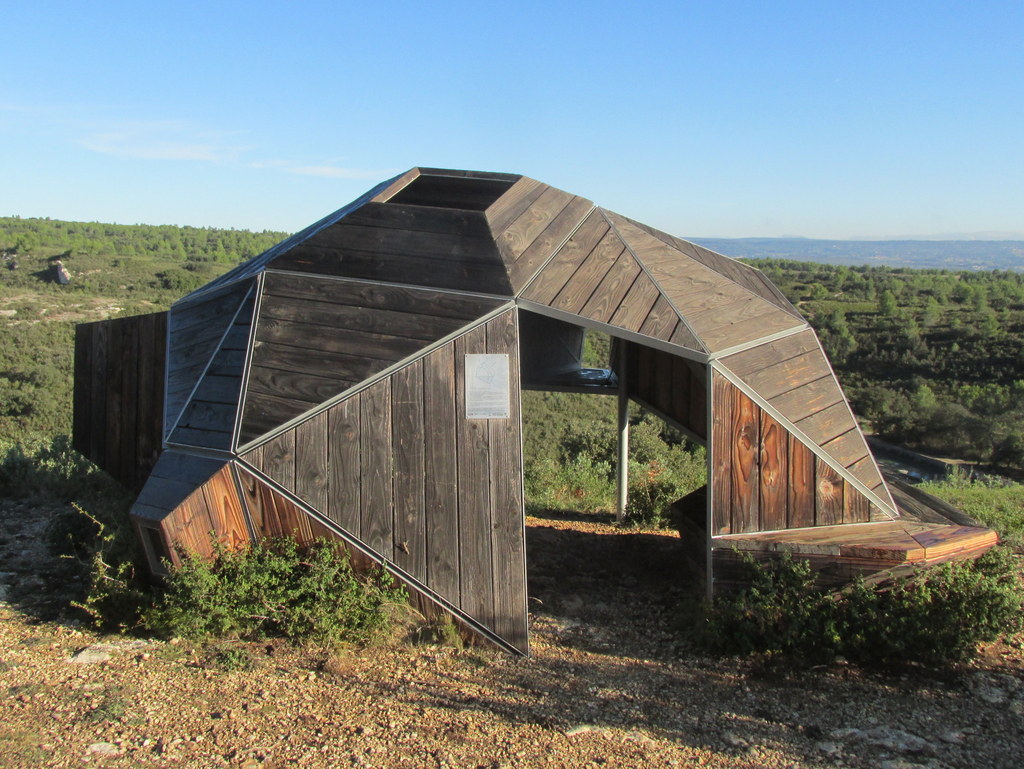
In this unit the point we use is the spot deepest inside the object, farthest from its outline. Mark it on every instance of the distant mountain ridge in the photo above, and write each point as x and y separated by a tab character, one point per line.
919	254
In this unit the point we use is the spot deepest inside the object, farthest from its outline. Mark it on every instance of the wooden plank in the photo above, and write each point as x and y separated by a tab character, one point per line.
279	459
774	474
721	454
661	321
203	439
341	366
782	377
510	206
302	388
807	399
349	341
527	227
547	242
440	462
508	546
332	317
824	425
188	528
608	296
748	362
458	273
744	328
745	451
311	470
407	444
225	509
344	499
801	485
475	565
579	254
682	387
115	401
418	301
377	506
828	498
637	304
856	508
455	243
848	448
400	216
866	471
264	412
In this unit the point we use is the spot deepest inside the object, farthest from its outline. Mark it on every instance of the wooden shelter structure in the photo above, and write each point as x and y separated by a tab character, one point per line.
361	381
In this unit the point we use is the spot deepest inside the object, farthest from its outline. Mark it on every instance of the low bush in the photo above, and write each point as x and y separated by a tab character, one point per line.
276	588
938	615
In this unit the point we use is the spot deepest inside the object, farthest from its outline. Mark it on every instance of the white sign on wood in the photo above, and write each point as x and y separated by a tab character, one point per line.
487	389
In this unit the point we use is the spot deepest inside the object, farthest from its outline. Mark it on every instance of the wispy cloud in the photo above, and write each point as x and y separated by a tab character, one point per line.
337	172
165	141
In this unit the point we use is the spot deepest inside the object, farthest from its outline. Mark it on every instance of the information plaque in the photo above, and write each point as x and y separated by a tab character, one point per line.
487	387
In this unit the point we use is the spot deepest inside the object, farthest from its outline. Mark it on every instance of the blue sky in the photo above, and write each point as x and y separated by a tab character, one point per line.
716	119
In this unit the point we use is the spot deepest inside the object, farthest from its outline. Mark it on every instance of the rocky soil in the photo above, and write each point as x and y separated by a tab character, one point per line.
608	685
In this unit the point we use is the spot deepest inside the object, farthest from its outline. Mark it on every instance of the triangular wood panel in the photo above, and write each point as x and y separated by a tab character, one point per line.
208	420
317	337
196	329
400	469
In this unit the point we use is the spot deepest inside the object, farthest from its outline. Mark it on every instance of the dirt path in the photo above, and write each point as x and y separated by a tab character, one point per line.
606	687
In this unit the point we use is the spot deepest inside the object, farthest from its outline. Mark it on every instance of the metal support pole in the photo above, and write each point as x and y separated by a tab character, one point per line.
623	464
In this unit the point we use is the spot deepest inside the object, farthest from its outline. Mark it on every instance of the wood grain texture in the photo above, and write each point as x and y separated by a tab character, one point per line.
636	305
311	462
508	547
579	255
610	292
773	474
744	462
474	476
801	485
828	495
856	508
377	505
345	465
407	422
279	459
440	455
547	242
721	455
514	239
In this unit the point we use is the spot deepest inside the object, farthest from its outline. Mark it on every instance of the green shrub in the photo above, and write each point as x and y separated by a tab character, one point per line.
939	614
276	588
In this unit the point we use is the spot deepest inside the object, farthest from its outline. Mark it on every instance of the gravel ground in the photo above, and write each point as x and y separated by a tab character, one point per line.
607	686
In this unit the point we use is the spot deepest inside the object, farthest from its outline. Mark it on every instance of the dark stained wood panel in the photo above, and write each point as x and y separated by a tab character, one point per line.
463	273
407	424
345	465
440	461
773	474
264	413
474	475
273	514
377	507
398	216
374	296
118	394
510	206
580	249
610	292
526	265
856	508
311	468
508	548
279	459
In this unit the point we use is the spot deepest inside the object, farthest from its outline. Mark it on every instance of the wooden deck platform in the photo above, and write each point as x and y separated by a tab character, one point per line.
840	553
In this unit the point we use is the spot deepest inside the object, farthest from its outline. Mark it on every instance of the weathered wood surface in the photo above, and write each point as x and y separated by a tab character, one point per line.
664	382
399	468
318	337
765	478
118	392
